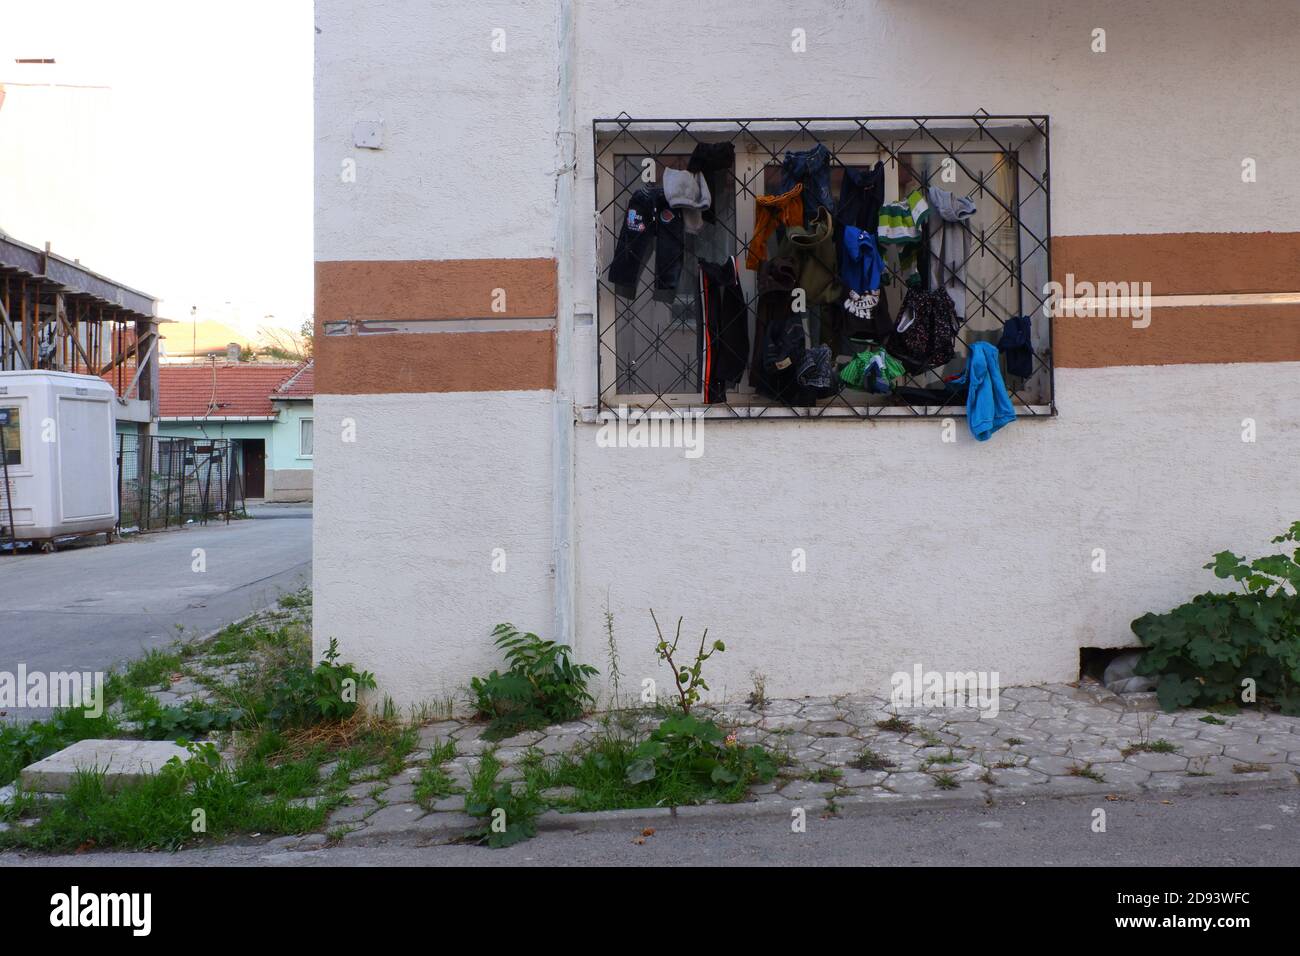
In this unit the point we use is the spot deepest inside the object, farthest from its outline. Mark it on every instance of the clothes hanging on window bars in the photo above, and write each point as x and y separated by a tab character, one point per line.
648	224
724	322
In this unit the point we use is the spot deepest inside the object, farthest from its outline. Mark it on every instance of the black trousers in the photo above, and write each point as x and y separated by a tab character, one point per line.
724	323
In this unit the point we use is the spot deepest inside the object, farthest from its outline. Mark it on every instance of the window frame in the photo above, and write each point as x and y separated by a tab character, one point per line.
18	407
307	420
883	138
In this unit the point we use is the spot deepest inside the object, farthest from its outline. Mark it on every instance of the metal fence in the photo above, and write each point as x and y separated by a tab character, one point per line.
654	348
163	481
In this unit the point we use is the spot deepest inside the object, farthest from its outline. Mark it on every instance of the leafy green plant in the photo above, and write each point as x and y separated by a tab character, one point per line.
700	749
689	679
676	767
509	813
190	721
542	685
306	695
1203	651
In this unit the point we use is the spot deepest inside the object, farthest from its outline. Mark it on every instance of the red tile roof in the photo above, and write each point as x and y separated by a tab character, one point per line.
219	391
300	385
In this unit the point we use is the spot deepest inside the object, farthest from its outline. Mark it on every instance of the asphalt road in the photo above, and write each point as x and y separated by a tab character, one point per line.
90	607
1247	829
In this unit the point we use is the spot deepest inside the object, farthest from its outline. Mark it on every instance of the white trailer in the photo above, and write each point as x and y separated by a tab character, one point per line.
58	476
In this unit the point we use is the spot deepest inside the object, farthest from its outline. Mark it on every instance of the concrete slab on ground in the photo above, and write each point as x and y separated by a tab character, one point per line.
122	762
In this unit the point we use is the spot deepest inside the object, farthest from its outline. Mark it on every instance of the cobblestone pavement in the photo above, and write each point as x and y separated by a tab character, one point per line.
858	754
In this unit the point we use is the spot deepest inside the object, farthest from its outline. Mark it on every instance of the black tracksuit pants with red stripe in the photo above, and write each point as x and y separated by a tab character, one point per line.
724	326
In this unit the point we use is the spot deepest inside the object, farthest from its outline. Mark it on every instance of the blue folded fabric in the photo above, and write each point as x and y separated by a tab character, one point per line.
988	406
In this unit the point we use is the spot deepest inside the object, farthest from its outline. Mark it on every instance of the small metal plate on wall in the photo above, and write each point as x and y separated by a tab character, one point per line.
368	134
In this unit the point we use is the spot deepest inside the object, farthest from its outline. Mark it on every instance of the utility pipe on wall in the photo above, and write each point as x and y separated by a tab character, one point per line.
563	410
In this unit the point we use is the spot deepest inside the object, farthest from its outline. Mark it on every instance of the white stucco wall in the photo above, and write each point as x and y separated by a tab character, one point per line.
407	517
957	555
466	168
1146	137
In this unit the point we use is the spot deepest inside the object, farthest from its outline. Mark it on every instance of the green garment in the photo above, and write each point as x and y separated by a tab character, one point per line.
853	373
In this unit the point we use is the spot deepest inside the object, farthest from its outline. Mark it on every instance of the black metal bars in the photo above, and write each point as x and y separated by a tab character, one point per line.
650	341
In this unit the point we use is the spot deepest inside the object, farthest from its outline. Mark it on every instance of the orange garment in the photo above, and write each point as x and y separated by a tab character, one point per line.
769	212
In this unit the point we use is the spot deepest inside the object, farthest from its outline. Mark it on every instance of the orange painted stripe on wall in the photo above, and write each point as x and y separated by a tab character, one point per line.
503	361
1192	335
1184	263
435	289
435	361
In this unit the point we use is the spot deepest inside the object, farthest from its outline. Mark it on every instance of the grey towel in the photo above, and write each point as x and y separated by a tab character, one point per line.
950	244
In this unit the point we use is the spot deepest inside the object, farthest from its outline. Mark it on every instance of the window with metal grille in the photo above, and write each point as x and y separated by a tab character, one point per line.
656	346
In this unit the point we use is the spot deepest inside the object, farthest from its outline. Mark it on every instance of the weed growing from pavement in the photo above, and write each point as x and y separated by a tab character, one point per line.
824	775
1087	772
433	782
282	773
541	685
158	811
1251	768
870	760
896	724
1161	746
946	781
758	698
608	773
947	758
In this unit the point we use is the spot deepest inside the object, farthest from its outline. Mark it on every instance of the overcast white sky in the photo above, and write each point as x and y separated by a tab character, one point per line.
168	148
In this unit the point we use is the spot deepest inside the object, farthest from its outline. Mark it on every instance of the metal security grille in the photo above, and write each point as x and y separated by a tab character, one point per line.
165	481
653	353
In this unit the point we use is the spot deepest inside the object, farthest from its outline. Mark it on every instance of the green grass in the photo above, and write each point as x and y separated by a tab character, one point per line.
946	781
870	760
153	670
948	758
434	783
598	774
277	766
484	778
296	599
21	744
159	813
1161	746
1087	772
824	775
897	724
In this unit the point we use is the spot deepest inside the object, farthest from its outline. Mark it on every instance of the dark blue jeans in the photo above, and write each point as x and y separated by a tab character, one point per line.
648	223
812	167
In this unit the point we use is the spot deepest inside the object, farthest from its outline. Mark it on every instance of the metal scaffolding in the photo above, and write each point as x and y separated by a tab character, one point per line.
56	314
